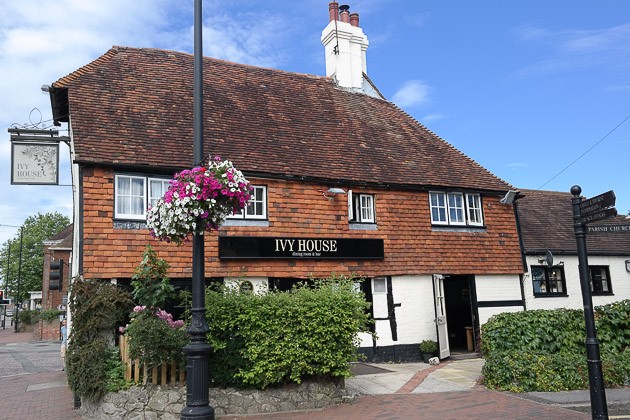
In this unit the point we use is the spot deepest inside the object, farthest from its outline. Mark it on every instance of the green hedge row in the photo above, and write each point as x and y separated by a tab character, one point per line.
262	340
544	350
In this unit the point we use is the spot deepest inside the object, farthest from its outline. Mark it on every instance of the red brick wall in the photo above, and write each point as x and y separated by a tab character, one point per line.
299	210
51	299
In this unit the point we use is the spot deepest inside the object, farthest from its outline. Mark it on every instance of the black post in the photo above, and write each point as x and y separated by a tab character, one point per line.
17	294
6	284
197	352
599	410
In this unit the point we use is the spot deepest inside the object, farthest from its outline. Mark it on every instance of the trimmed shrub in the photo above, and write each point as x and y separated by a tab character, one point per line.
545	350
269	339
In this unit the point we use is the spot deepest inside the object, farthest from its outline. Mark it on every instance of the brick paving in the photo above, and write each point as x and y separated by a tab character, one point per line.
475	404
32	384
40	391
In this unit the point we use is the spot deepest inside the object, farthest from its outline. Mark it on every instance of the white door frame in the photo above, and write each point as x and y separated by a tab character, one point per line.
440	316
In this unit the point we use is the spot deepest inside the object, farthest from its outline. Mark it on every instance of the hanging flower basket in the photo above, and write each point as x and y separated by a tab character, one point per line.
197	200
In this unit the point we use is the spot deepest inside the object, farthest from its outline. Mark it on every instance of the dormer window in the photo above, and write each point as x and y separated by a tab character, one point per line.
455	209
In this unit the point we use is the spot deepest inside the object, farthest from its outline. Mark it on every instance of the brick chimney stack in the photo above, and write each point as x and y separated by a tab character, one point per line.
345	45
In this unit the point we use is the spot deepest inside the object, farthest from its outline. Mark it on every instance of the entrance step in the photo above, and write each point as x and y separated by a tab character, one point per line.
464	356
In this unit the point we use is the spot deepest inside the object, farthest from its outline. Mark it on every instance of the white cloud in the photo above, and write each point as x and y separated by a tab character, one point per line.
578	49
516	165
433	117
412	93
44	40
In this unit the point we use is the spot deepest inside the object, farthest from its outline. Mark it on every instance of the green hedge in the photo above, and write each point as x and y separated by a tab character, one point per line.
544	350
268	339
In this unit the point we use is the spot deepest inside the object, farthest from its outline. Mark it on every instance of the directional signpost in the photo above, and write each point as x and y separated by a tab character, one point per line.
584	212
598	208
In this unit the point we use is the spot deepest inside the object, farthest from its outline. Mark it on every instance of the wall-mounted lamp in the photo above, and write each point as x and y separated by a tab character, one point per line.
509	197
628	266
330	193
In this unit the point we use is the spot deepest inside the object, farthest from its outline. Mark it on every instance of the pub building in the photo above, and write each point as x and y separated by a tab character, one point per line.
344	182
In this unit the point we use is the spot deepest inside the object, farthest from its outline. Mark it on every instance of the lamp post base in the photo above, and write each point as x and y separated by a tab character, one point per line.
197	402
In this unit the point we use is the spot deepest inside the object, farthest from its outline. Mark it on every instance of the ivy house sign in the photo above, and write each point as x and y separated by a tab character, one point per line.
34	158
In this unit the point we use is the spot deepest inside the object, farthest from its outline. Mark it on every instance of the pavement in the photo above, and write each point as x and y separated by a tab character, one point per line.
33	386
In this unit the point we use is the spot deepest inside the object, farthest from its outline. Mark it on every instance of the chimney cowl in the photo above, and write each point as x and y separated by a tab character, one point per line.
345	13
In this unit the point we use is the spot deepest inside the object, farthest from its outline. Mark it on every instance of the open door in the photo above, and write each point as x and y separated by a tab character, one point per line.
440	316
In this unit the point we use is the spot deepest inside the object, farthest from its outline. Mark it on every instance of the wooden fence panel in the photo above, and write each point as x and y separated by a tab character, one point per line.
166	373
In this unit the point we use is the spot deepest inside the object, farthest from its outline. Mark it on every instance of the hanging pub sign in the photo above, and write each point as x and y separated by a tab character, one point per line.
34	163
251	247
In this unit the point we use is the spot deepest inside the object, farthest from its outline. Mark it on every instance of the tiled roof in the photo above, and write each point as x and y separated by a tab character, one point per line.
546	223
63	239
135	107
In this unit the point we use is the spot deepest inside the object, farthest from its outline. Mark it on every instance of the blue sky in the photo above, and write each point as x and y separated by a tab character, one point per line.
523	88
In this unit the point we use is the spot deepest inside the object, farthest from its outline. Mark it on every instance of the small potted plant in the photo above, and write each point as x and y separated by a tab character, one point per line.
428	349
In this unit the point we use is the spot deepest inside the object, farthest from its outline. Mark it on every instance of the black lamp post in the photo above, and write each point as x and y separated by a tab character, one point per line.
197	352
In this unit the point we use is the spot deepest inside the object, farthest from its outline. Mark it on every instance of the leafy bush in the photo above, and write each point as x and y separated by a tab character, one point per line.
115	372
545	350
613	326
150	283
97	308
428	347
28	317
50	314
539	331
154	338
87	368
267	339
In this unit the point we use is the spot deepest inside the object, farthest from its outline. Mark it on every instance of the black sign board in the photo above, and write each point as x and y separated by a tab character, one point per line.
598	203
594	217
608	229
252	247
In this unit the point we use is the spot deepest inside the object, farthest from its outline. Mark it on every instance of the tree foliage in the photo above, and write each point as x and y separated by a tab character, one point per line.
35	230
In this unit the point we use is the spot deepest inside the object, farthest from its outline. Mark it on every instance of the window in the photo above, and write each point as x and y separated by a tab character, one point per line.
361	208
257	207
455	209
130	197
131	194
548	281
157	189
473	204
380	285
600	280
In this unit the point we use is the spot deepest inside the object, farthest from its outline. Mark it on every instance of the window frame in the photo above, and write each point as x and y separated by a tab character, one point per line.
357	209
455	208
606	270
548	279
146	195
242	215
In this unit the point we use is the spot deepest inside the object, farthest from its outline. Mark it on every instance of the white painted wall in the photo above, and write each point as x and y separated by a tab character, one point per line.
415	317
619	278
497	288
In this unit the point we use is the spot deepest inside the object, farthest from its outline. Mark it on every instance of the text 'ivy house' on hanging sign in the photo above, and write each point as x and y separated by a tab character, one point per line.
35	156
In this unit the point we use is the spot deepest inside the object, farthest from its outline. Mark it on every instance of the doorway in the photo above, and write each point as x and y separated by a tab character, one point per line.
459	297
